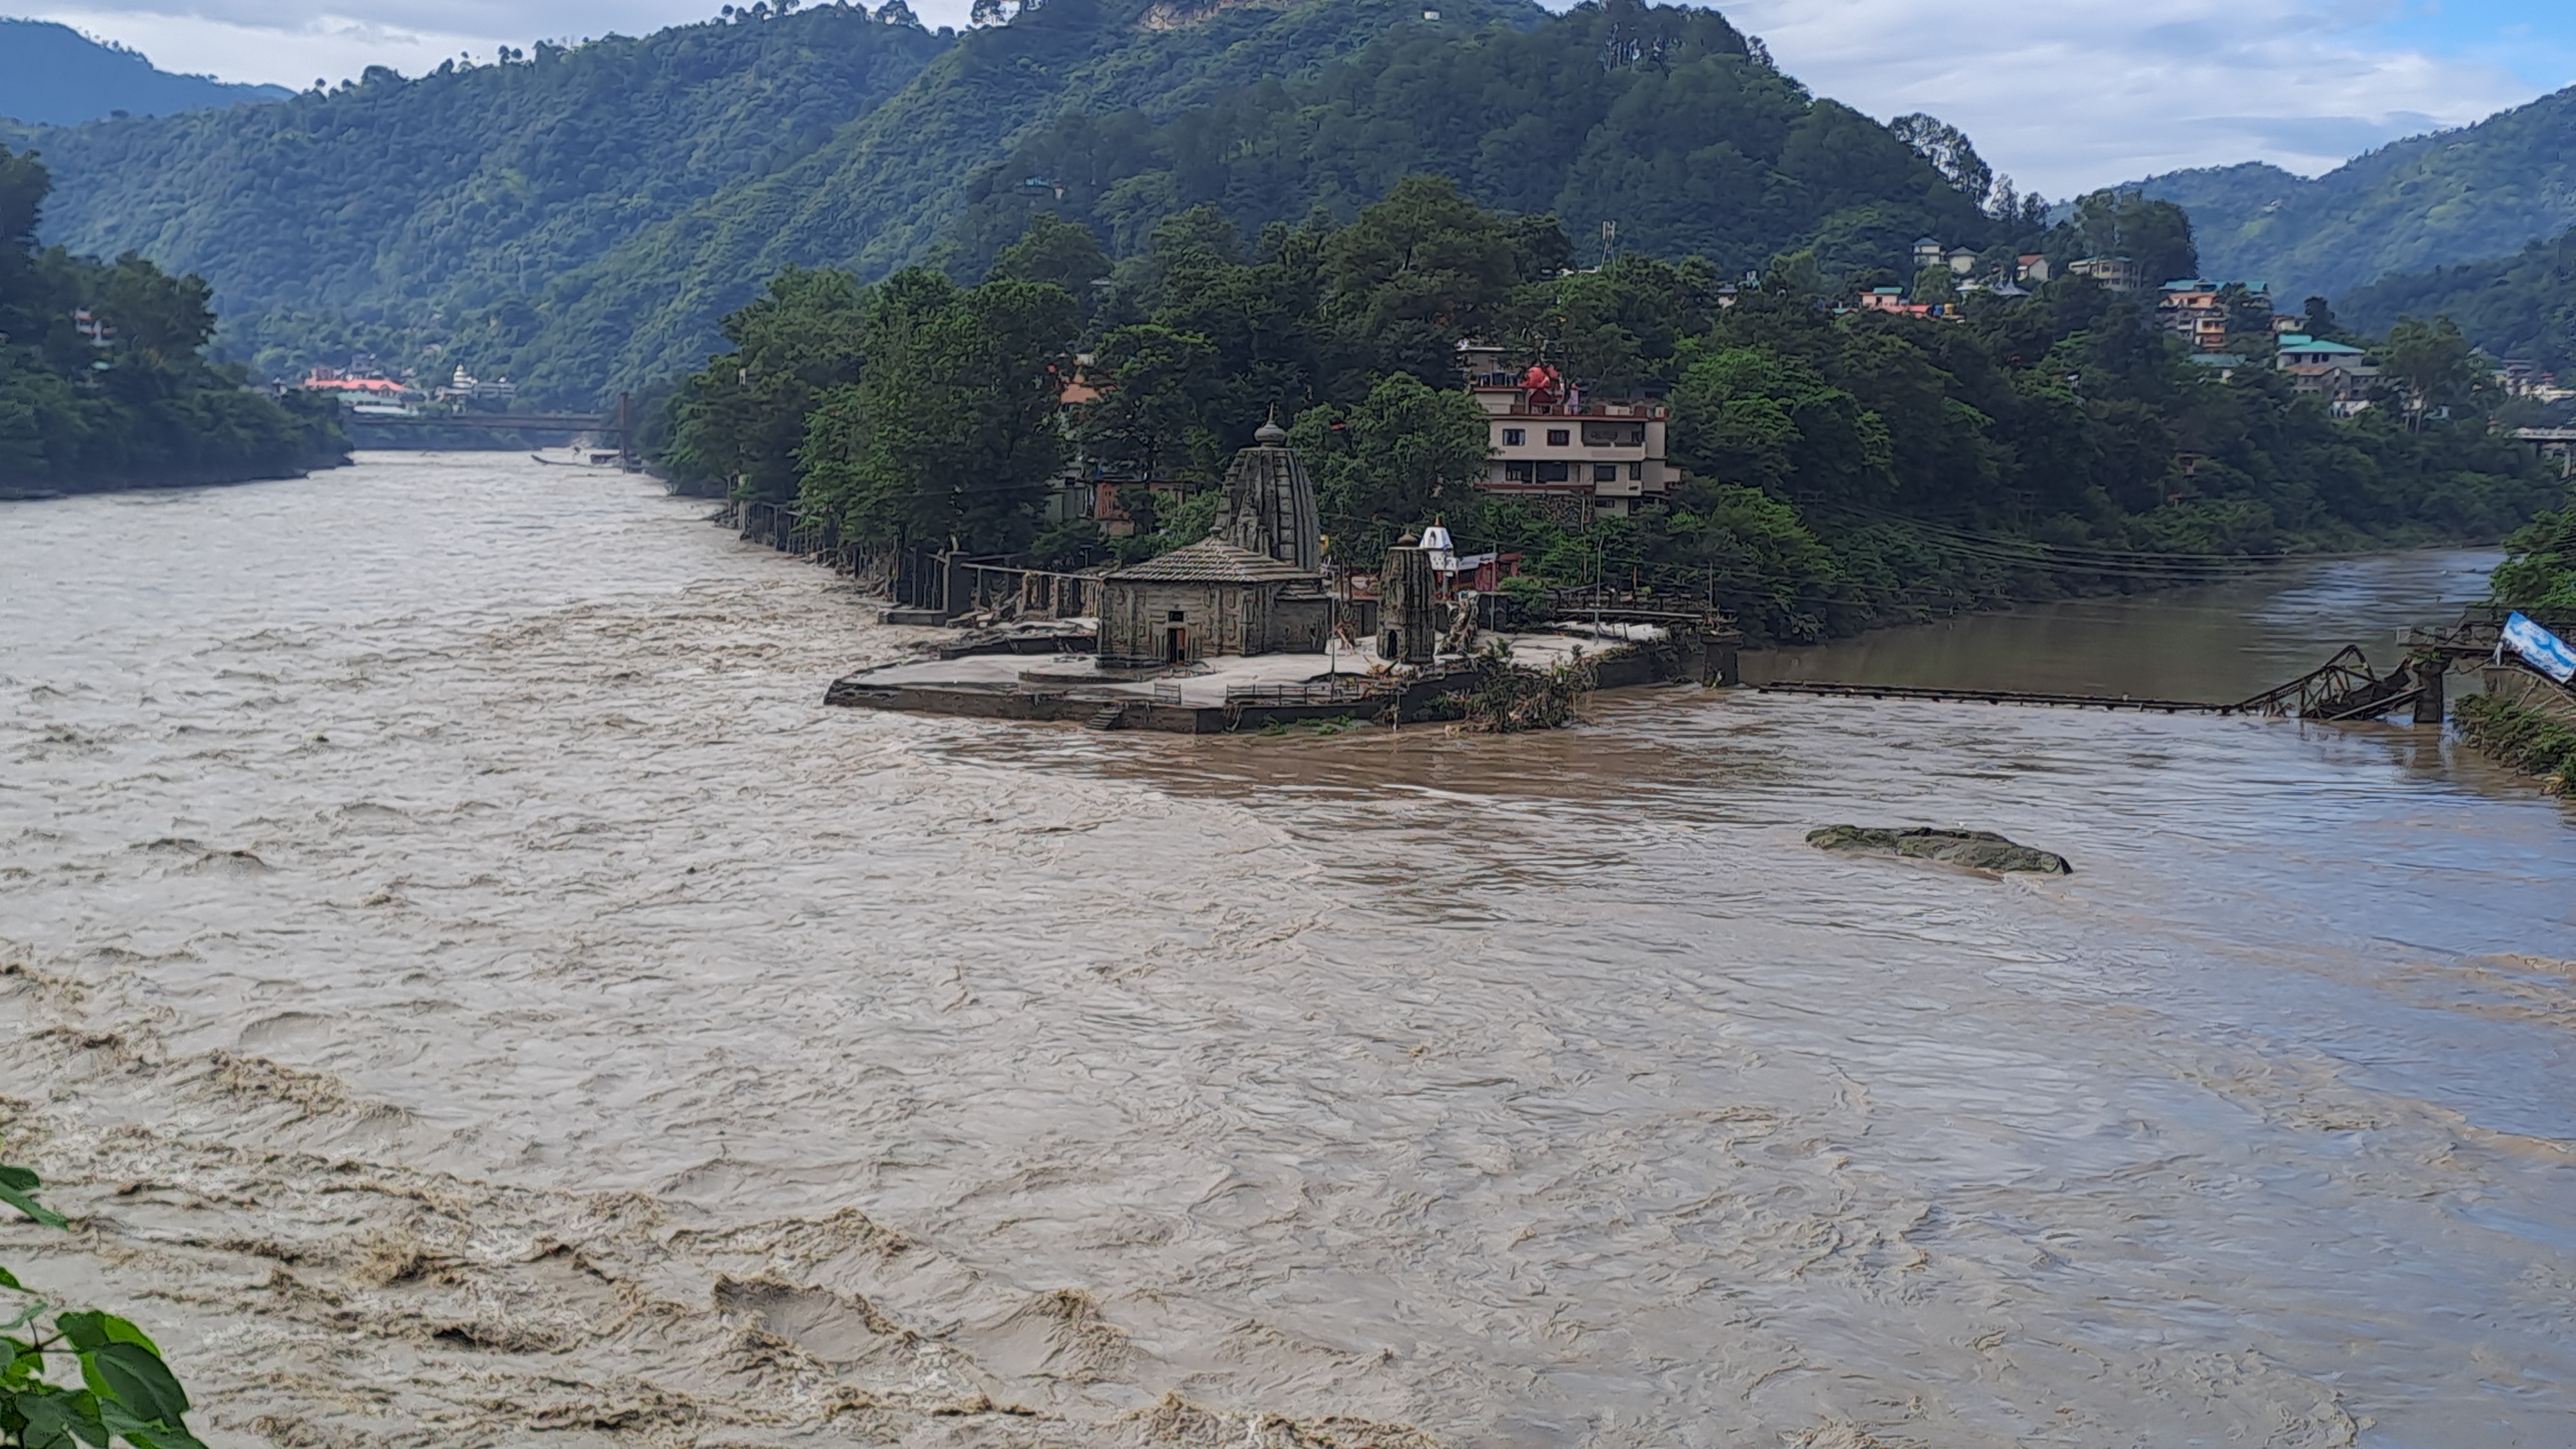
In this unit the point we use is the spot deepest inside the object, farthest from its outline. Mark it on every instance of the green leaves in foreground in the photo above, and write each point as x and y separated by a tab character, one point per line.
127	1393
17	1189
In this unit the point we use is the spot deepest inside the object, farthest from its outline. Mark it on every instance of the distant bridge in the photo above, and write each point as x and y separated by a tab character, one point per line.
490	422
2559	443
617	425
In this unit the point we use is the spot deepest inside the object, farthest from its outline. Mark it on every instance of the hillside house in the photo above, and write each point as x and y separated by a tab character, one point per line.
1574	459
1892	300
2196	311
2344	376
2120	274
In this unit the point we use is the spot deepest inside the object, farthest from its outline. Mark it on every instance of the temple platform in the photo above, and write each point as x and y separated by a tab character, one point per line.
1232	692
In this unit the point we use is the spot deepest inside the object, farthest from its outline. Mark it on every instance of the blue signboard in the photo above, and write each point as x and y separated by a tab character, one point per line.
2539	648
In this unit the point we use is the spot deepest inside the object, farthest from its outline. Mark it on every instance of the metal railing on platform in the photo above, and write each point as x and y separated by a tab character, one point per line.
1354	691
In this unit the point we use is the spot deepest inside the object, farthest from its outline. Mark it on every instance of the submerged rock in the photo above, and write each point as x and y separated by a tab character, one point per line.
1975	849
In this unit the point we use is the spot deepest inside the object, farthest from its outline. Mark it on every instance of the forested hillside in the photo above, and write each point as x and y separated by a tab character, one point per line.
2453	196
433	220
53	74
1665	121
578	220
103	378
2521	306
881	192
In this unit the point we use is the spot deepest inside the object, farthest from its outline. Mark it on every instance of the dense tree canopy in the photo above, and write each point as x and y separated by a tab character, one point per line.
579	218
432	221
949	435
103	378
2156	235
1845	467
1405	455
741	419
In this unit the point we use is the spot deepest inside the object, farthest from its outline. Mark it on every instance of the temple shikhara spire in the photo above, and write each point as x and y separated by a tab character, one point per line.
1270	503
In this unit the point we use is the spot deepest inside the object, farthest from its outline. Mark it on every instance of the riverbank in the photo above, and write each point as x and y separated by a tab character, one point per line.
2525	724
163	481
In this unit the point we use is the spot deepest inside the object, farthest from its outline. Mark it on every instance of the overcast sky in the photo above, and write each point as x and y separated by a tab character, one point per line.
2063	94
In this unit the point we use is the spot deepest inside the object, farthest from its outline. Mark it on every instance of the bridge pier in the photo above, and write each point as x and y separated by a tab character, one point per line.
2429	704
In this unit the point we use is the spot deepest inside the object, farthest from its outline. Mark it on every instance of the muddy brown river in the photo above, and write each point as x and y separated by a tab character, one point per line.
469	992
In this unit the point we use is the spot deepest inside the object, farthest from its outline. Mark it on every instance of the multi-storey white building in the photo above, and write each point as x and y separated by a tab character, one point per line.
1573	457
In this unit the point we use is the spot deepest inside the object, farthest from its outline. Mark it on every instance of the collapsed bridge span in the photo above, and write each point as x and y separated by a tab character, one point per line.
2345	687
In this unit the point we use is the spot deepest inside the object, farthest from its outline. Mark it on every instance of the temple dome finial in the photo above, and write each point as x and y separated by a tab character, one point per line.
1270	434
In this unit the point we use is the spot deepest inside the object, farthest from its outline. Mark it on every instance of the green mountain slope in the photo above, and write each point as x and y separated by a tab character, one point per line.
579	220
1664	121
2453	196
53	75
425	218
884	189
2521	306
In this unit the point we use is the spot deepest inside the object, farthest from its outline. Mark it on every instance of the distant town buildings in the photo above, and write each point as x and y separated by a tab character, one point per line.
1892	300
465	387
331	379
2197	312
1929	253
2521	377
2203	312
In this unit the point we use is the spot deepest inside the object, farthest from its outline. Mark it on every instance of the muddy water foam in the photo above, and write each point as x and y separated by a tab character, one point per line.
473	994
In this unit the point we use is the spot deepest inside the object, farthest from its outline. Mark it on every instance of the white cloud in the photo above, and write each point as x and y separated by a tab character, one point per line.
291	52
2076	94
293	42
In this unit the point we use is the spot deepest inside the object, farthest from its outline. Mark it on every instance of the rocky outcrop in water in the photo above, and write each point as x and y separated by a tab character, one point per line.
1975	849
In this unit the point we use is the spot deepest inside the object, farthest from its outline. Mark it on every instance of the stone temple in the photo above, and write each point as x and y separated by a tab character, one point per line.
1256	586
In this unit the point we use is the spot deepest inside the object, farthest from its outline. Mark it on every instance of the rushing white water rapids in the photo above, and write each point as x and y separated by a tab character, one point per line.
470	992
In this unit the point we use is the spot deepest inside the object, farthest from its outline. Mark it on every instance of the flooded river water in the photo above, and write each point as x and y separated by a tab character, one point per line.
470	992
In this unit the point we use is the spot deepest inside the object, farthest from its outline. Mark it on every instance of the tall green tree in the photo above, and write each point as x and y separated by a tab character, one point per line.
950	437
740	420
2156	235
1157	386
1762	419
1416	272
2432	362
2538	575
1064	253
1397	459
